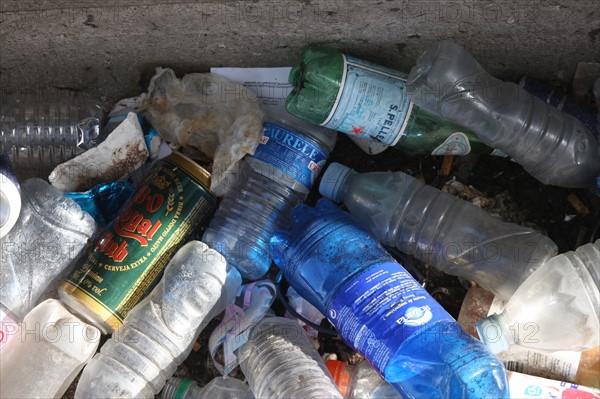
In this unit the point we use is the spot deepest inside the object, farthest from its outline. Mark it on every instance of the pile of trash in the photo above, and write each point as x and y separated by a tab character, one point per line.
218	228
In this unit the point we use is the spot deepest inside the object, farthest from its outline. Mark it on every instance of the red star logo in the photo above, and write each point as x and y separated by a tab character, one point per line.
358	130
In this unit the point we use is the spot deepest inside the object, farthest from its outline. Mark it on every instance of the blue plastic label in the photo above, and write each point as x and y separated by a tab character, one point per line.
456	144
372	102
382	307
292	153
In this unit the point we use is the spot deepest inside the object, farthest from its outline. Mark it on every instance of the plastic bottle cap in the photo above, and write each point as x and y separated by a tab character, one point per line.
492	334
10	201
341	376
333	180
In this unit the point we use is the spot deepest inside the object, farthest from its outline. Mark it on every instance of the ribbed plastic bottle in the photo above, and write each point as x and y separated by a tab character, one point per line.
218	388
444	231
49	234
558	98
51	348
274	180
279	361
158	333
40	134
556	308
360	381
552	146
381	311
369	101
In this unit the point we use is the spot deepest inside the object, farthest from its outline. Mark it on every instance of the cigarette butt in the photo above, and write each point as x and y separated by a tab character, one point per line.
196	347
579	206
446	165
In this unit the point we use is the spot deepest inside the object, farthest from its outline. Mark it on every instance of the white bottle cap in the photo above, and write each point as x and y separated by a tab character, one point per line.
10	204
492	334
333	180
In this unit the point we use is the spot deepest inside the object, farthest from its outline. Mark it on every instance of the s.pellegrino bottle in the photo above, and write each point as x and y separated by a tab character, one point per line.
370	101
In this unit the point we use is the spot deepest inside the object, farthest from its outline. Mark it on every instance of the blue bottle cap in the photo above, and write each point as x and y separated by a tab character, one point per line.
492	334
333	180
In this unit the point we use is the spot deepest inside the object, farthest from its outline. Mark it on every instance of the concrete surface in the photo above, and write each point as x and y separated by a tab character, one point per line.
110	48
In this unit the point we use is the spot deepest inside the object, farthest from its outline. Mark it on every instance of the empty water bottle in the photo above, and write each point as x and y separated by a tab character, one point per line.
49	234
556	308
51	347
554	147
274	180
158	333
381	311
40	134
444	231
360	381
279	361
218	388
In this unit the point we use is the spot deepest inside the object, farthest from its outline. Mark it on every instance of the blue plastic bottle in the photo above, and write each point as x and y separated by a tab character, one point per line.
381	310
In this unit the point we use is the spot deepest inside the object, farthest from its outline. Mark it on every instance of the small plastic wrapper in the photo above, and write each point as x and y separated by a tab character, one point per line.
206	116
104	201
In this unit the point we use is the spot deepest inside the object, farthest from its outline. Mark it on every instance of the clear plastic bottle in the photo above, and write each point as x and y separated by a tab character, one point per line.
279	361
444	231
40	134
49	234
556	308
360	381
52	347
158	333
218	388
274	180
552	146
381	311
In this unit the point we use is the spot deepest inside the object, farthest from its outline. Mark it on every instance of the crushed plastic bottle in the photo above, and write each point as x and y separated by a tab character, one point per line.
444	231
360	381
554	147
556	308
218	388
577	367
274	180
381	311
558	98
52	347
40	134
51	231
369	101
279	361
158	333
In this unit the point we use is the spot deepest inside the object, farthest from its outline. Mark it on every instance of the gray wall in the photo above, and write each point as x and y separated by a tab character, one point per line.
110	48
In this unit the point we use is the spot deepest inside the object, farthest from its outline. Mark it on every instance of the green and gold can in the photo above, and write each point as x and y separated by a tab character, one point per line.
128	258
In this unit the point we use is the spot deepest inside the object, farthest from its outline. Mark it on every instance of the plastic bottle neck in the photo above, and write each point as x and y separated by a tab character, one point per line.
494	332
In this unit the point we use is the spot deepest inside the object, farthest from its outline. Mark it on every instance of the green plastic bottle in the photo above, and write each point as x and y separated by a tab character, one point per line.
367	100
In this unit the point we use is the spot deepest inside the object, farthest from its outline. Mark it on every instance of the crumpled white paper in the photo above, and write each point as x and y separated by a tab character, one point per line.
207	117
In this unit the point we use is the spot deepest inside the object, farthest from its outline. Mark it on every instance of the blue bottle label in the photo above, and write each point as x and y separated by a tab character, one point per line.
292	153
372	102
381	308
456	144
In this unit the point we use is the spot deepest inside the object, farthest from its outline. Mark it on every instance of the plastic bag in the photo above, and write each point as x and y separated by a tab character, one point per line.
209	117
